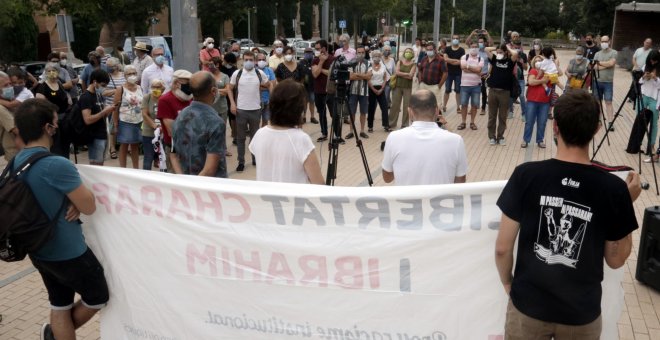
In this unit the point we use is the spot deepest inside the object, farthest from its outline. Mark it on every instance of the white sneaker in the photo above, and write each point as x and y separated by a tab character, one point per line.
502	142
492	141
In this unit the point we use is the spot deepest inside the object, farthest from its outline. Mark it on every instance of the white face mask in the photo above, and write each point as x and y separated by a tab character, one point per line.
499	56
210	46
262	64
132	79
279	50
537	64
317	53
474	51
537	47
430	54
63	62
288	57
248	65
604	45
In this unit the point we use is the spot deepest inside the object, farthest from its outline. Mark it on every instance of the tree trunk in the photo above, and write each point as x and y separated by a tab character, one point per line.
316	34
355	29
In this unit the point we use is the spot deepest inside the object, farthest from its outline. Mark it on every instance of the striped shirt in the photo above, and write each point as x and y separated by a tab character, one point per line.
114	83
360	87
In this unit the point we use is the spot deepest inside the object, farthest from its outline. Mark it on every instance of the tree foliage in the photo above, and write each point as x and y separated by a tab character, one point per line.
18	32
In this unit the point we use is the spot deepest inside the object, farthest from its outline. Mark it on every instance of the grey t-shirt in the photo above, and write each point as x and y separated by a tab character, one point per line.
607	75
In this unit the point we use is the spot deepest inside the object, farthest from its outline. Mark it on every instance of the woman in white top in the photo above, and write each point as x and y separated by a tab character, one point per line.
650	86
117	80
127	118
379	77
283	151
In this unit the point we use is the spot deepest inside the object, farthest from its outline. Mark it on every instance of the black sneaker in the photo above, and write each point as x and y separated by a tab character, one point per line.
47	332
349	136
234	142
364	135
254	161
240	168
611	126
322	139
341	141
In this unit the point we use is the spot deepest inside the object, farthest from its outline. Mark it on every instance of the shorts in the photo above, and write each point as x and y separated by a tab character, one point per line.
128	133
453	79
353	101
605	91
470	94
97	150
310	96
82	275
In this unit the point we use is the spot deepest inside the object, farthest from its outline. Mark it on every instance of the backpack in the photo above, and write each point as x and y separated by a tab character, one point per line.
238	77
75	127
26	227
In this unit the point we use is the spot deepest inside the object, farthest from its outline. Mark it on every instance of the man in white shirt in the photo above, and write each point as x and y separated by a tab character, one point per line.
639	58
158	70
248	82
423	153
345	49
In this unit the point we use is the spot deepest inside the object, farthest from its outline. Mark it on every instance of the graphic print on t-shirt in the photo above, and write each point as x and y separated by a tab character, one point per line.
562	225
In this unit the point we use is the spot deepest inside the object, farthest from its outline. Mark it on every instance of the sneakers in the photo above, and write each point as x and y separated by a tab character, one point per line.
492	141
314	120
47	332
364	135
524	145
349	136
341	141
240	168
371	130
322	138
502	142
483	112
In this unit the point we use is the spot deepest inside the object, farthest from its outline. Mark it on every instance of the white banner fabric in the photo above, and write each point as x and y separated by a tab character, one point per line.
201	258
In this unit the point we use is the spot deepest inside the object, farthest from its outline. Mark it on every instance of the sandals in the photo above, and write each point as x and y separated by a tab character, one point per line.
473	126
113	154
461	126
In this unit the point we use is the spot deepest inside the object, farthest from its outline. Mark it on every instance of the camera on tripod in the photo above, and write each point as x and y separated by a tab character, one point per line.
341	75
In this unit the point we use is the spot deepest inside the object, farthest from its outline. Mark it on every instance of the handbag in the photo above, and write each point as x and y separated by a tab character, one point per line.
393	79
575	82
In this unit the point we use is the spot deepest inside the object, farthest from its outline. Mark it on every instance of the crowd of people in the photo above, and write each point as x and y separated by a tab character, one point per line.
178	119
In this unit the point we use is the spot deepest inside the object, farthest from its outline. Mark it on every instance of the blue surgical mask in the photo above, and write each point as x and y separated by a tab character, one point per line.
248	65
455	42
430	54
579	57
160	60
100	90
8	93
481	46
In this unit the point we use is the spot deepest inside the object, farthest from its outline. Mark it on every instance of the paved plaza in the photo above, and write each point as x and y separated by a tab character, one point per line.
23	299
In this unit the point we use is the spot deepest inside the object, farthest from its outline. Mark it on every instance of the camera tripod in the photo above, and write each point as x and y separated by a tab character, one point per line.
635	90
340	111
592	75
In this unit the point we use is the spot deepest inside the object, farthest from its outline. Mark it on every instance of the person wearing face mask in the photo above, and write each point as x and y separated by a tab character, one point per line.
142	59
521	67
308	81
359	90
52	91
94	64
320	70
169	106
229	66
247	83
127	119
576	70
453	55
207	54
471	65
8	131
277	56
199	133
500	83
64	77
538	104
606	59
265	91
432	73
73	75
389	63
289	69
537	47
117	80
483	38
591	46
379	77
149	111
20	93
94	113
158	70
221	81
404	71
345	48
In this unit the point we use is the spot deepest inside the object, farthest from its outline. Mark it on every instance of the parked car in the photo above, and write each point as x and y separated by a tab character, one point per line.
35	68
300	46
152	42
246	43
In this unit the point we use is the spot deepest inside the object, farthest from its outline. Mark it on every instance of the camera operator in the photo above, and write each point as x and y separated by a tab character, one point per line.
320	70
605	62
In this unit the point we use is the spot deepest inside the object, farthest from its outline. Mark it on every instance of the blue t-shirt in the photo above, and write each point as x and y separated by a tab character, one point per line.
51	179
87	72
265	94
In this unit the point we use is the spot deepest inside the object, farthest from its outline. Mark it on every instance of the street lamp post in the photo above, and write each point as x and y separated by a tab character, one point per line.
483	16
503	15
453	5
436	22
414	28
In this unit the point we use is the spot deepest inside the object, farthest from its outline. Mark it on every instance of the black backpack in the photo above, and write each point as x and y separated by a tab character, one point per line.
25	227
74	126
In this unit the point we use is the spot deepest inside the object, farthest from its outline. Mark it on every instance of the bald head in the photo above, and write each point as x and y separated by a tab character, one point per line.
100	50
202	84
424	105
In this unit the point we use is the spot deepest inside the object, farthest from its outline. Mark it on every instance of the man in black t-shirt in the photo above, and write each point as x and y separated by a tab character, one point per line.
590	46
94	113
453	56
567	216
500	83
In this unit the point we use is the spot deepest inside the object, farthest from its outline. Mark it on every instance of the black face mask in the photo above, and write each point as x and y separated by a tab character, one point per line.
18	89
589	42
185	88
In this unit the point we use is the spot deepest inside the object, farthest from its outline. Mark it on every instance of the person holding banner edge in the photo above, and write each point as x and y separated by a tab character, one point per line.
567	216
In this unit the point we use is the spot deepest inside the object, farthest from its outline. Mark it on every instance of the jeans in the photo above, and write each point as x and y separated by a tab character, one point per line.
354	100
484	94
536	113
149	152
470	94
246	120
321	101
382	102
523	103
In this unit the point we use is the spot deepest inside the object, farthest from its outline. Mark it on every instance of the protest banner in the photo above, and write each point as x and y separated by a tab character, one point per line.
203	258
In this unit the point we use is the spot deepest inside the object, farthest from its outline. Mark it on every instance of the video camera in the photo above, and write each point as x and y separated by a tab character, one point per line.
341	75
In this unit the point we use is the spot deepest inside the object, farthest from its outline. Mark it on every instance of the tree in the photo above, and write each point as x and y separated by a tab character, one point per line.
18	32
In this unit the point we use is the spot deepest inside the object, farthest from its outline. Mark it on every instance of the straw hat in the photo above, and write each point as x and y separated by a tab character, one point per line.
140	46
